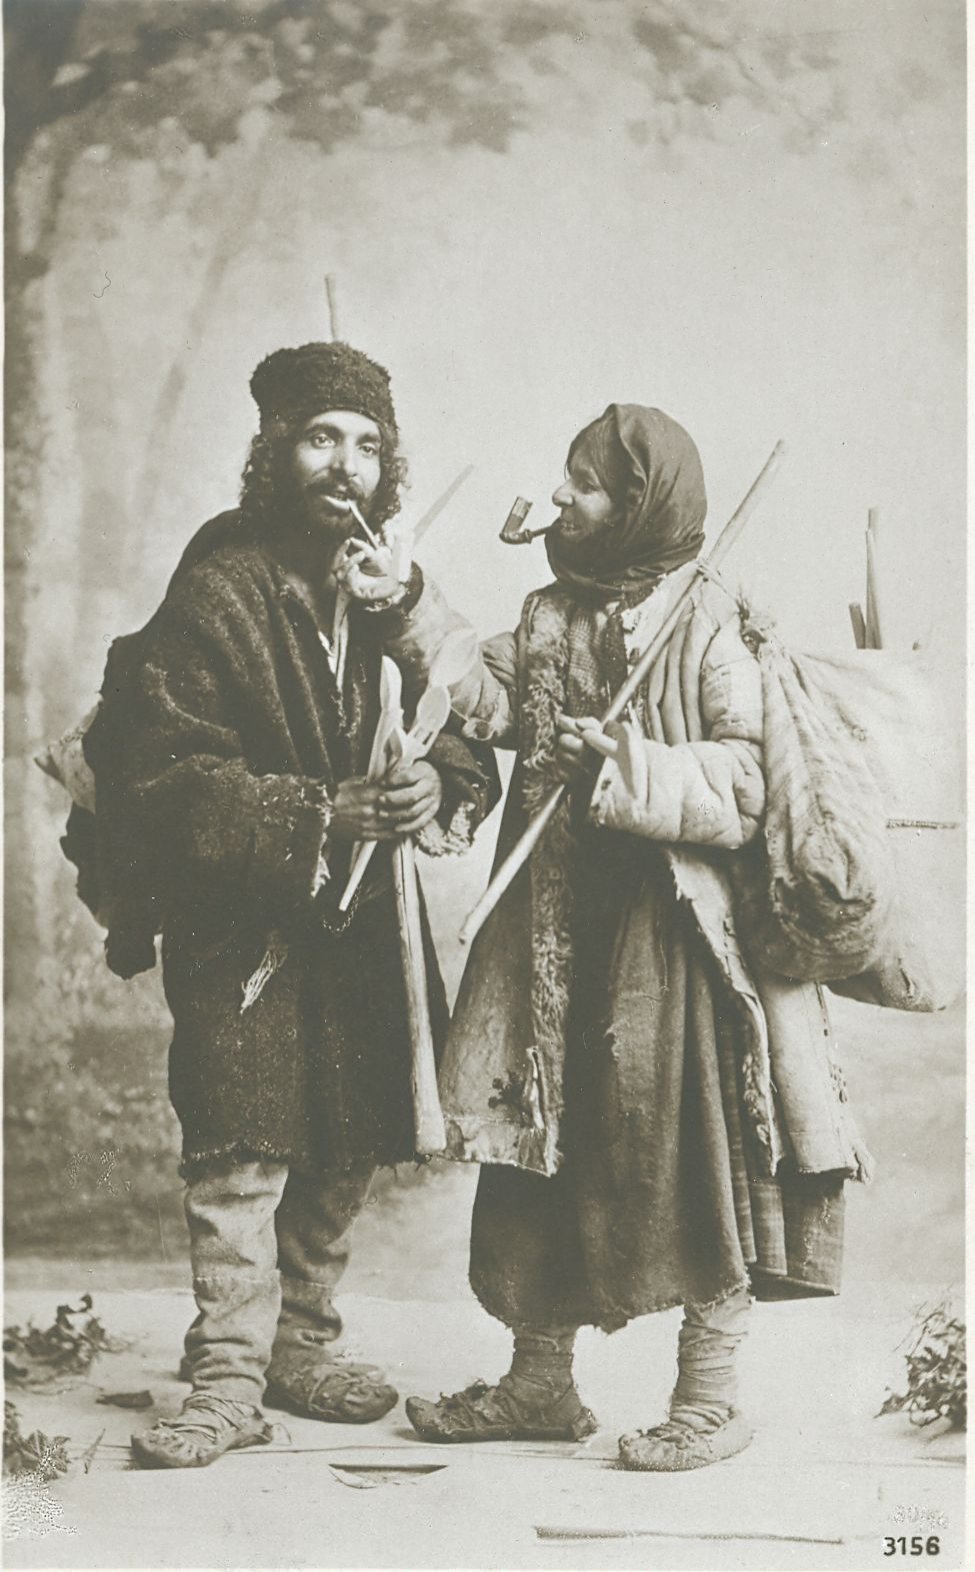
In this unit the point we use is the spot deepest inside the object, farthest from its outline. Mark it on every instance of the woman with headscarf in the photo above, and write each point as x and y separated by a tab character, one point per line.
657	1125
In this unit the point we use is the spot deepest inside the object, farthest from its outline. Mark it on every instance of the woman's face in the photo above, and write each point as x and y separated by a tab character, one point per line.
585	509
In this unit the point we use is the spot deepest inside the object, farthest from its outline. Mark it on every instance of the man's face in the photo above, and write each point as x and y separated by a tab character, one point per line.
337	456
586	511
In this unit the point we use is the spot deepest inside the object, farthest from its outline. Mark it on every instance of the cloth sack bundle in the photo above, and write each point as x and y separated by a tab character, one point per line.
820	885
920	962
852	884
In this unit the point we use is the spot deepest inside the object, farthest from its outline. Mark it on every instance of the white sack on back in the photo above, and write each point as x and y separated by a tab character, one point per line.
816	892
920	964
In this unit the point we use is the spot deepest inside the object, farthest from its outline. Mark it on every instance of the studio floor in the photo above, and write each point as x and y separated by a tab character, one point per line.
822	1485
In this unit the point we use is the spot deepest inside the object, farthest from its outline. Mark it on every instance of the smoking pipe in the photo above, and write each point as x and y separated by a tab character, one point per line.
514	532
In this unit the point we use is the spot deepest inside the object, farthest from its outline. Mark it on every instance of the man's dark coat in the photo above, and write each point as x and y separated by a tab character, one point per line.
221	736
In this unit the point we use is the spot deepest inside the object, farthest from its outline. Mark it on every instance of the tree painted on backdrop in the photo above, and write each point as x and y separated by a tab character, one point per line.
158	80
177	84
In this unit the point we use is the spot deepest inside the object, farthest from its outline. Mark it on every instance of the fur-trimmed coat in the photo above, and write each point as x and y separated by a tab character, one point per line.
221	738
700	798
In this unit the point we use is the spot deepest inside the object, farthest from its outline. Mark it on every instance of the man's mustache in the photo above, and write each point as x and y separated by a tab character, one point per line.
342	492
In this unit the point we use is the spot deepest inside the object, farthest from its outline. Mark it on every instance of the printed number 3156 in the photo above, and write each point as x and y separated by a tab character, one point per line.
912	1547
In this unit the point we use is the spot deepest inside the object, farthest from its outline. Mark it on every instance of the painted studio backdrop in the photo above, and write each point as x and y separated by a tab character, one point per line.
750	215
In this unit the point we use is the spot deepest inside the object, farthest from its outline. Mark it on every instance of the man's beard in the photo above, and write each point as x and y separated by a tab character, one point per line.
272	498
303	505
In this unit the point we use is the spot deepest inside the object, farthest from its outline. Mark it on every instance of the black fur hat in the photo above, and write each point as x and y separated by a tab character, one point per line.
294	384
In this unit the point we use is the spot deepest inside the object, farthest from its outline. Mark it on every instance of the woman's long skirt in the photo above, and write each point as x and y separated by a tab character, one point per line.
661	1198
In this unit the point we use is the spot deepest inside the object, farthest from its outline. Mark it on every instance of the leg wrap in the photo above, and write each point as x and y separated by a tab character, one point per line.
707	1380
543	1357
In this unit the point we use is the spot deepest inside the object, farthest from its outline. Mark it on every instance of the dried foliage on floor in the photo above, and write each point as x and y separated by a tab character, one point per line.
34	1454
936	1372
59	1356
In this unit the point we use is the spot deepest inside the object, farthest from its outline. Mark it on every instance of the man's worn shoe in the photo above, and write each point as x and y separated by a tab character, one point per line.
678	1444
185	1371
206	1426
498	1413
337	1391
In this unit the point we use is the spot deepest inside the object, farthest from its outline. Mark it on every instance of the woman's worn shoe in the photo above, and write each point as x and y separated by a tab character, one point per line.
334	1390
498	1413
678	1444
206	1426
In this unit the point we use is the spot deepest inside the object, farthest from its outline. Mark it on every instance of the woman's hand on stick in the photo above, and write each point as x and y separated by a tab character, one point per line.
572	758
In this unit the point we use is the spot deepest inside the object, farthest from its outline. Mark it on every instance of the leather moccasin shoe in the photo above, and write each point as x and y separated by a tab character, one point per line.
497	1413
339	1393
206	1426
677	1444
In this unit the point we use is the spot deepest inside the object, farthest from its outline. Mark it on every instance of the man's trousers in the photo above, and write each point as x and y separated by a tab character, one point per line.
268	1246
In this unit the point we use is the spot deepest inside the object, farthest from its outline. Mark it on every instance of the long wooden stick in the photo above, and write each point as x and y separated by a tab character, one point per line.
523	849
331	296
431	1135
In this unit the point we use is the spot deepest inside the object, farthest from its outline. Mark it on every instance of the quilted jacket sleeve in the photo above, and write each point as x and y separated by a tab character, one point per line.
485	700
706	793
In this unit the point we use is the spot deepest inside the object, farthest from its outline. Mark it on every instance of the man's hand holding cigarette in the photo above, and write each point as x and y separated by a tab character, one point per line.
377	570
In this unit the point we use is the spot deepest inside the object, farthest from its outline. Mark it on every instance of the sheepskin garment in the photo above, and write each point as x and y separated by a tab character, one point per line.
221	737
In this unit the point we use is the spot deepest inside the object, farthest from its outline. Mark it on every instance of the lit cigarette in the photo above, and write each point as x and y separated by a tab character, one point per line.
348	503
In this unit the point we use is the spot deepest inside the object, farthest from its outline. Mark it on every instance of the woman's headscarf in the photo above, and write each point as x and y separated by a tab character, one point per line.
651	468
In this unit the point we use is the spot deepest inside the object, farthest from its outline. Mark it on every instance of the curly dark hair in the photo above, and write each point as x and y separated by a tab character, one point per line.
267	490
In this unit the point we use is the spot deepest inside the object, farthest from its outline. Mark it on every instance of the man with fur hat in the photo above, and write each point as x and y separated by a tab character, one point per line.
230	755
659	1125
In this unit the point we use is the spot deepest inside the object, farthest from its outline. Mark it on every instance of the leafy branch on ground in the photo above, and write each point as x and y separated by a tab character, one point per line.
936	1371
59	1355
34	1454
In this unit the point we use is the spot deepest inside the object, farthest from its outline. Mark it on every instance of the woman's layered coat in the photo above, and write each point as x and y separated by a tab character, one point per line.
698	799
